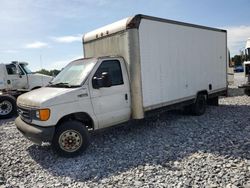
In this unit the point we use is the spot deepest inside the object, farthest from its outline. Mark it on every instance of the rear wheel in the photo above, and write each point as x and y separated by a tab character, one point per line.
199	107
71	139
7	106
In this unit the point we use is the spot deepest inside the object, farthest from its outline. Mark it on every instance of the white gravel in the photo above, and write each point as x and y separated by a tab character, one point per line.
175	150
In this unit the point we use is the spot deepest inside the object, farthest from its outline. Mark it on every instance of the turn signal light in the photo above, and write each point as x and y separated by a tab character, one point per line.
44	114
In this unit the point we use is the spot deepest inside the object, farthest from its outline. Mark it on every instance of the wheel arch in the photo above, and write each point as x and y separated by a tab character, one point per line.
202	92
8	96
79	116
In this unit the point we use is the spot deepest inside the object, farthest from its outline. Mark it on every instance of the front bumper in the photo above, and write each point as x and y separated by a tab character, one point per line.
35	133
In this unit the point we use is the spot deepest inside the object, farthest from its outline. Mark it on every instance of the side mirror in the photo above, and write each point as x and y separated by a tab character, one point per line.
103	81
96	83
20	74
106	80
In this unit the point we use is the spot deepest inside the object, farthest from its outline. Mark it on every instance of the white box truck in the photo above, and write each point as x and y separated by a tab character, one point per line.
16	79
246	65
132	67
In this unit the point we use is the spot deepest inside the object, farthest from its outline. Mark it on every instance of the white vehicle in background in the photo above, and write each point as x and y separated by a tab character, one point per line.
246	67
230	71
132	68
16	79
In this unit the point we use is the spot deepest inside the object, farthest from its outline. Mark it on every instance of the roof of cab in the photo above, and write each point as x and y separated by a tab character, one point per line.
18	62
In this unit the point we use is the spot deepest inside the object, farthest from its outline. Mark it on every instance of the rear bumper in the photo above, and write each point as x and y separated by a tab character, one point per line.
35	133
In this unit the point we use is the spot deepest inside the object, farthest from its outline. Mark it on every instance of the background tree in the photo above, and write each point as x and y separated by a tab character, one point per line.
238	60
54	72
49	73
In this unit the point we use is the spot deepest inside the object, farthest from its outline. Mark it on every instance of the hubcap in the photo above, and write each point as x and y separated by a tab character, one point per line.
5	108
70	140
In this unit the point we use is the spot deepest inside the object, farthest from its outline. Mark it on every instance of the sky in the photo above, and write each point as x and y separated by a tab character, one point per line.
48	33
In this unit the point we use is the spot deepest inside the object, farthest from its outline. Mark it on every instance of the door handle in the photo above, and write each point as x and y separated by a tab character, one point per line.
126	96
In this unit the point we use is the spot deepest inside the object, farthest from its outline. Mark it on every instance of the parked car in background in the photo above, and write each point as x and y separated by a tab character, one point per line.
239	69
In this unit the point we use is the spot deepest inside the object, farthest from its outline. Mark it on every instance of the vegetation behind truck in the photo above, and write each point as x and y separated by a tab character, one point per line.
131	68
15	79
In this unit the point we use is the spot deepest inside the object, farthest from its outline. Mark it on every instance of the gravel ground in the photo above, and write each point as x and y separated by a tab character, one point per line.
175	150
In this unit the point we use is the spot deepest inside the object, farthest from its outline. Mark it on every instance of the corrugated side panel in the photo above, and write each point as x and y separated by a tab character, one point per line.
177	61
126	45
106	30
115	45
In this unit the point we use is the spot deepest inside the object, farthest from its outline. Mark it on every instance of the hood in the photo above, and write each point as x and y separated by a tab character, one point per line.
49	96
46	77
43	75
39	80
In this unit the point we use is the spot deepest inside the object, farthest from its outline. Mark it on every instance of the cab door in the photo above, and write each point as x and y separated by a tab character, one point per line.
16	77
111	104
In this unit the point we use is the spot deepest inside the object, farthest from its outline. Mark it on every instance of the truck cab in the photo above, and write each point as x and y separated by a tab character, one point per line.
246	68
15	79
247	59
93	91
17	76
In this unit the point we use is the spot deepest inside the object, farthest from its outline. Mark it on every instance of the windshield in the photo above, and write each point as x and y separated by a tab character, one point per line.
74	73
26	69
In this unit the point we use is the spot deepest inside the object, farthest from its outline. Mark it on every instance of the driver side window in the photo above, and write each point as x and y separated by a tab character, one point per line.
11	69
113	68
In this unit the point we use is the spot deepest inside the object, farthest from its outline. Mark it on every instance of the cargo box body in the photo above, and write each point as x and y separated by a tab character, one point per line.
168	62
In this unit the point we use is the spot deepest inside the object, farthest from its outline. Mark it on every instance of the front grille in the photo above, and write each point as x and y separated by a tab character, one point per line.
24	113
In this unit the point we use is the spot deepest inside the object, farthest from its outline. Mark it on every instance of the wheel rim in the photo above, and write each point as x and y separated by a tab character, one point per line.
5	108
70	140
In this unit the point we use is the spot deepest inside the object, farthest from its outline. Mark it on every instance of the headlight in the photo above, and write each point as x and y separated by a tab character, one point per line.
42	114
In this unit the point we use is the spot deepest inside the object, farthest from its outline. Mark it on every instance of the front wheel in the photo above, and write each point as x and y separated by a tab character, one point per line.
7	106
71	139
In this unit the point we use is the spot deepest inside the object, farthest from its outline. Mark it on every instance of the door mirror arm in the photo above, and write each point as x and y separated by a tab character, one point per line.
20	75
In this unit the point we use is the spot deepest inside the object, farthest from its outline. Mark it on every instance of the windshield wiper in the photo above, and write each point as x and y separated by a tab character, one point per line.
63	84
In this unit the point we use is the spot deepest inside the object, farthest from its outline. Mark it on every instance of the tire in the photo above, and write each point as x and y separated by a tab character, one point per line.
199	107
213	101
247	92
7	106
71	138
187	110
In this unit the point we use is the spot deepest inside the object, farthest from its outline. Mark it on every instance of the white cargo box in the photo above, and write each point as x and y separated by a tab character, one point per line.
168	61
